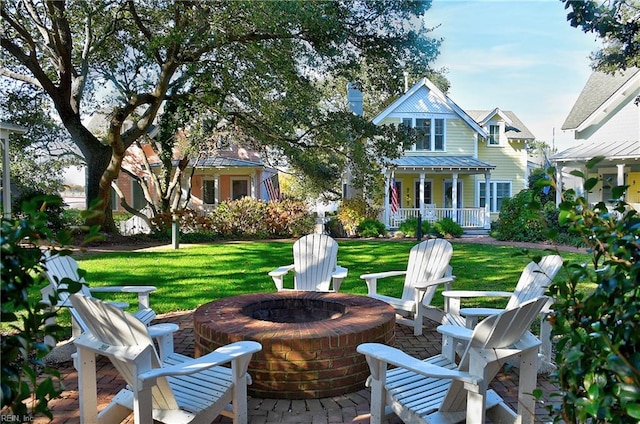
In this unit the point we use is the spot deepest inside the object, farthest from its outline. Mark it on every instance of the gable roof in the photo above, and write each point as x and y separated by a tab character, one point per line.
514	129
598	92
440	102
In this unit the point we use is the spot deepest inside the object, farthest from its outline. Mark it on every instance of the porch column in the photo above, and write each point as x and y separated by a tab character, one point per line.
422	194
454	196
559	185
216	189
387	210
621	177
487	202
254	184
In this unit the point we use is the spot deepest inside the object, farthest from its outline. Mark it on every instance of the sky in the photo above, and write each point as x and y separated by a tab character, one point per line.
518	55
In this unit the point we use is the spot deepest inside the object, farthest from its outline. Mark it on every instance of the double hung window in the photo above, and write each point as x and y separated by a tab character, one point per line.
498	192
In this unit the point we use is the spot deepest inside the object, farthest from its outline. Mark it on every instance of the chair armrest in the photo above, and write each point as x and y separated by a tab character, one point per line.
279	272
424	285
338	275
372	279
479	312
474	293
340	272
142	291
398	358
278	275
222	355
455	331
382	275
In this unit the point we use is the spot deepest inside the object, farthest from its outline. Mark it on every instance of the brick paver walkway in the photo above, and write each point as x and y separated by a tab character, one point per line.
349	408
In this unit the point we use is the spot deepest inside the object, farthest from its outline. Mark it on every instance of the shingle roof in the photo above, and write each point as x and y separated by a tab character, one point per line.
610	150
444	163
517	130
598	89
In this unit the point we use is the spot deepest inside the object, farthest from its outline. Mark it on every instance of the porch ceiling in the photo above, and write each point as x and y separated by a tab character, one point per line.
463	164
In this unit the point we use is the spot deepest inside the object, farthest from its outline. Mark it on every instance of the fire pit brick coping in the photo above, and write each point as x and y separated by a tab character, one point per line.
299	360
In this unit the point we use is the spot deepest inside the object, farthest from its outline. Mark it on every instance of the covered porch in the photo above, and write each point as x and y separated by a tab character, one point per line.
435	187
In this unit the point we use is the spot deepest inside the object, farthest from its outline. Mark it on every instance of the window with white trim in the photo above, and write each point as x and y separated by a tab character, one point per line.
239	188
494	135
428	198
208	192
433	133
499	190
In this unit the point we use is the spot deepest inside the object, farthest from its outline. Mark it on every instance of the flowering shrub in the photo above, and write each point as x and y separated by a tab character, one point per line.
353	211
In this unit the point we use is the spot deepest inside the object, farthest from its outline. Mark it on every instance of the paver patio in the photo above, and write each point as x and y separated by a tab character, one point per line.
349	408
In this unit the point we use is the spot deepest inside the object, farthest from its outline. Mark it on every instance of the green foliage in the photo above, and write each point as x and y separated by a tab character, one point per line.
51	205
248	217
371	228
598	343
447	227
544	195
189	221
352	212
615	22
409	227
518	222
24	374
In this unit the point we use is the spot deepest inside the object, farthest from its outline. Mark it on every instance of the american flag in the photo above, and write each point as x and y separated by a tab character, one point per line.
273	187
395	202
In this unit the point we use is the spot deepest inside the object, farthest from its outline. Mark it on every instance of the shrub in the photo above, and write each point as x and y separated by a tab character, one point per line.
288	218
371	228
189	221
409	227
598	344
51	205
447	227
518	222
249	217
353	211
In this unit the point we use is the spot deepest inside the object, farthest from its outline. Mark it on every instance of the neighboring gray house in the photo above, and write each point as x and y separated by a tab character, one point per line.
606	118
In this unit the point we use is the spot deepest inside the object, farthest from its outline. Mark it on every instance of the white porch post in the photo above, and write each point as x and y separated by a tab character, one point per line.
454	196
422	194
216	189
621	176
387	209
254	184
559	186
487	202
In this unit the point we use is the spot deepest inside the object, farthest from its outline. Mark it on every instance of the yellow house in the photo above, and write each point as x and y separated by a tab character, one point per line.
466	164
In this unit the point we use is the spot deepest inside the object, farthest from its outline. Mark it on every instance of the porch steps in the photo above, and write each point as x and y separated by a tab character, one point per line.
472	233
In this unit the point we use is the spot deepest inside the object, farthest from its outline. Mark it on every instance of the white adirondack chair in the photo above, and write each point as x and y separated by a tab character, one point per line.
175	390
459	322
315	267
436	390
61	268
428	267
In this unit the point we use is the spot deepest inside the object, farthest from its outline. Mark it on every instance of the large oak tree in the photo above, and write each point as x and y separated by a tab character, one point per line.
259	65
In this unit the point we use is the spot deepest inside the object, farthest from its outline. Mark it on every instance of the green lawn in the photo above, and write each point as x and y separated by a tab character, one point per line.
194	275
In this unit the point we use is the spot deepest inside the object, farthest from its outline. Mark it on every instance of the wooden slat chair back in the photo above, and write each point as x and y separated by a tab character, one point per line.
61	268
435	390
534	281
427	268
177	390
315	265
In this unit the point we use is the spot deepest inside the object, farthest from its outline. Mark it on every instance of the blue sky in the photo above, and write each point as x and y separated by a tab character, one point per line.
518	55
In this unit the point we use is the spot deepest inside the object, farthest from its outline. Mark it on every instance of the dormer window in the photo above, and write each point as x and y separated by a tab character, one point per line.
494	135
432	133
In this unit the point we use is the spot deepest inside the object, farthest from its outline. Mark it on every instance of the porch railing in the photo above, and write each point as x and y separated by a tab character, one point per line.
466	217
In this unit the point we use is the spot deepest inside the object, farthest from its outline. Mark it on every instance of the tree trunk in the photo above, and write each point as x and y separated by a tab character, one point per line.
99	200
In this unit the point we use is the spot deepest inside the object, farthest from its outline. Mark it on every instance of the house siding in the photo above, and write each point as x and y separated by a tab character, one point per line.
622	124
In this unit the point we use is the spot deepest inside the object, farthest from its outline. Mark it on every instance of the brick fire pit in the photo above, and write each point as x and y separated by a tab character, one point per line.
308	339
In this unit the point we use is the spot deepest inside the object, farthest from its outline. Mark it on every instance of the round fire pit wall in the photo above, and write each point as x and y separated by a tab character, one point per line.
309	339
